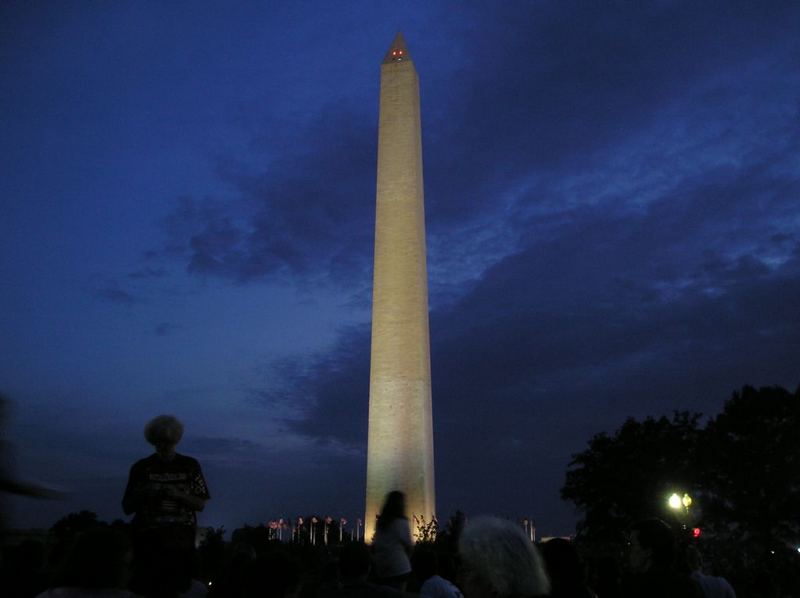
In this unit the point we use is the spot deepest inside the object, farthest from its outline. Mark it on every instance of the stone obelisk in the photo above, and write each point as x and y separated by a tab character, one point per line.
400	443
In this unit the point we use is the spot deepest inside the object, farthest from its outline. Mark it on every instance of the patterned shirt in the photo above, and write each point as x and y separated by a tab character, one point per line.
149	482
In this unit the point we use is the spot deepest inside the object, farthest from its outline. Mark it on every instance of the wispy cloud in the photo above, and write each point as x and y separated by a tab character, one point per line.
115	295
296	219
148	272
165	328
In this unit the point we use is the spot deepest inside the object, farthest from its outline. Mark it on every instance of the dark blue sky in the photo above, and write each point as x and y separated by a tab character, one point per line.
613	212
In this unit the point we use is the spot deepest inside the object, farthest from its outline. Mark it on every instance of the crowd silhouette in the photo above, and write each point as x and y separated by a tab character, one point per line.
156	554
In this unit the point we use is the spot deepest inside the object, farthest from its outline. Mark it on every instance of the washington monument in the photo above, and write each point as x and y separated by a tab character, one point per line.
400	443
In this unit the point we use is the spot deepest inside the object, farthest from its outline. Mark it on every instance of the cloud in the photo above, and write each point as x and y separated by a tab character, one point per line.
165	328
148	272
208	446
610	311
115	295
541	93
548	88
325	397
295	219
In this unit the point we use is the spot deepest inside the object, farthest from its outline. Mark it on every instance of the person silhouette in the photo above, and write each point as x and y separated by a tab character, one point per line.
164	493
392	544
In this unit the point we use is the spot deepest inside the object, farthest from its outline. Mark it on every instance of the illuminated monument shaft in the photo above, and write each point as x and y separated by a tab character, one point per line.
400	443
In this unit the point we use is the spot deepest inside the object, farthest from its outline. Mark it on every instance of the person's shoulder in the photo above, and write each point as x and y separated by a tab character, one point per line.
718	586
430	585
144	463
437	585
197	589
728	590
688	586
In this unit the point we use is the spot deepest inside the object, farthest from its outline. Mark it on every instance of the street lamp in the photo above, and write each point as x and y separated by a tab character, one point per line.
680	507
676	501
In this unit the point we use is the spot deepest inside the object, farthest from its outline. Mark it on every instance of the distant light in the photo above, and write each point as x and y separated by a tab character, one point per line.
674	502
798	549
696	531
686	500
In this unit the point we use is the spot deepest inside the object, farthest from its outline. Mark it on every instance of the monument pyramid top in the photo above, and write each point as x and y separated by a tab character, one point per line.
398	51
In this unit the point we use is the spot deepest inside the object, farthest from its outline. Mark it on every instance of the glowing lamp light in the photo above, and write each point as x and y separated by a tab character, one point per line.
675	502
686	501
696	531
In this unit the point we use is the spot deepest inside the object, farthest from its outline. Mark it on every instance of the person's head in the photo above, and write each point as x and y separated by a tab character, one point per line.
394	507
499	561
564	564
652	545
164	433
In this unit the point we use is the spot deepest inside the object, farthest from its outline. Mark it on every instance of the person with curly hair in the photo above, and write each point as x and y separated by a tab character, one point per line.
500	561
164	493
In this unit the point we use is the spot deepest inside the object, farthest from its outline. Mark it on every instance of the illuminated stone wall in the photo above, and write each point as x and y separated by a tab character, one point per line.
400	443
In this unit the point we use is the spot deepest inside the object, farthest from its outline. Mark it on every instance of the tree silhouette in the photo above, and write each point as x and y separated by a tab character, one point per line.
74	523
742	470
751	463
628	476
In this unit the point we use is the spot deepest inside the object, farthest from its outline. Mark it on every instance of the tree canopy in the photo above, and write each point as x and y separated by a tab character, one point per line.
625	477
742	469
750	460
